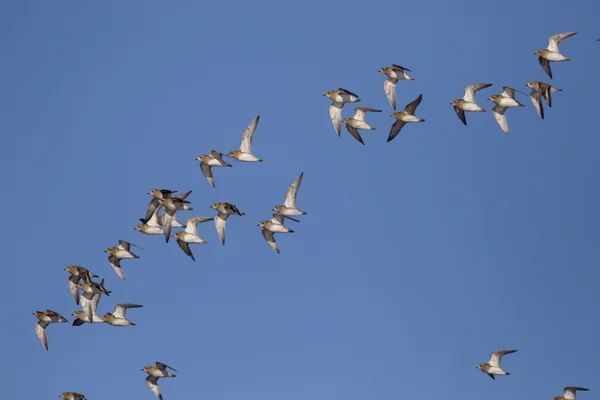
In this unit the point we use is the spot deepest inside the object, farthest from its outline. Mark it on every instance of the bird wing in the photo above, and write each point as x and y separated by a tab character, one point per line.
163	366
220	220
398	67
570	392
354	133
498	112
554	40
345	91
152	382
508	92
395	129
115	263
412	107
536	99
167	218
73	288
152	206
246	146
461	114
277	219
471	89
335	113
268	235
496	356
40	330
191	224
292	192
546	66
389	86
207	171
121	309
186	248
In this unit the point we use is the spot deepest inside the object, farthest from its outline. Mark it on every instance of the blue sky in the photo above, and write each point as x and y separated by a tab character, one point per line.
416	258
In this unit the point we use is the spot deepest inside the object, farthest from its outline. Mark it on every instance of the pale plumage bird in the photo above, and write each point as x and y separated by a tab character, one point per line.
467	103
551	53
339	98
207	161
504	101
190	235
159	370
492	367
570	393
46	318
539	90
150	227
224	211
394	74
118	253
118	318
77	273
154	374
404	117
288	208
92	288
245	151
358	122
272	226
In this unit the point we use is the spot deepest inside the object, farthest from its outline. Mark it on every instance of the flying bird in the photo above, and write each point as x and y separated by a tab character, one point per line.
570	393
207	161
394	74
339	97
77	273
275	225
504	101
224	211
492	367
358	122
288	208
118	253
118	318
245	151
539	90
190	235
159	370
404	117
551	53
154	374
467	103
150	227
92	288
46	318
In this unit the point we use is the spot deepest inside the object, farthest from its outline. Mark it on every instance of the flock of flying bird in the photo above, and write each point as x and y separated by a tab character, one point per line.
503	101
87	292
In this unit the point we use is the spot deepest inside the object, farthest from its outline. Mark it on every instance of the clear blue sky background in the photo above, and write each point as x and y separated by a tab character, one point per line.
417	257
